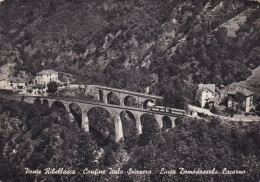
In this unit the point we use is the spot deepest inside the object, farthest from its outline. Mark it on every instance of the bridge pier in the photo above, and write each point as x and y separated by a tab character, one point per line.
71	117
67	108
139	126
121	101
158	118
105	99
118	128
85	122
50	102
173	121
84	116
105	93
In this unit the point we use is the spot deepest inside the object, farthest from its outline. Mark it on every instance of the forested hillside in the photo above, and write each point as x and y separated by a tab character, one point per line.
134	44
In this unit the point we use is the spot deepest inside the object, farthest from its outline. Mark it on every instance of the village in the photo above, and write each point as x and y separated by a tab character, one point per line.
234	102
211	100
35	87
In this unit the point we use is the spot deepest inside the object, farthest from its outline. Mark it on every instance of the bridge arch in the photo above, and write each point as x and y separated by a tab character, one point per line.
101	125
76	111
37	102
112	98
167	122
130	101
149	123
129	126
149	127
45	103
59	104
148	102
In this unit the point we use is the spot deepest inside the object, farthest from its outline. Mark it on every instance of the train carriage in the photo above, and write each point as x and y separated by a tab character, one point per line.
167	110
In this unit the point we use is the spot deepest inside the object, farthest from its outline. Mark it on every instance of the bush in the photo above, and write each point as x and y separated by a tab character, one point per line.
252	110
52	87
257	108
49	153
37	130
247	114
39	148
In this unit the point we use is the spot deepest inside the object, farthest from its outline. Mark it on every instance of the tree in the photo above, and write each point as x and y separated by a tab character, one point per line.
52	87
239	99
231	111
206	105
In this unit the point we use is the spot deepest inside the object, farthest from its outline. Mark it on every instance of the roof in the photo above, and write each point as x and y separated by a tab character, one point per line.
210	87
16	80
47	72
38	86
245	92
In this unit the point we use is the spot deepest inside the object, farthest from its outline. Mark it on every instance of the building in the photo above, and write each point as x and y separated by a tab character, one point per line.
12	83
206	94
37	90
46	76
17	83
5	84
240	98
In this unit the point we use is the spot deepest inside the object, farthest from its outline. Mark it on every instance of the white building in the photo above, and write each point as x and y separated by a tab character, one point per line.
12	83
247	99
37	90
5	84
17	83
206	94
46	76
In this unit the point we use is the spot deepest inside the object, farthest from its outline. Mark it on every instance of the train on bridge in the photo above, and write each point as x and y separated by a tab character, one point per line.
167	110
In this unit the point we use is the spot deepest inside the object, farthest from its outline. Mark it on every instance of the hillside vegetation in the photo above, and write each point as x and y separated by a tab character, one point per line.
134	44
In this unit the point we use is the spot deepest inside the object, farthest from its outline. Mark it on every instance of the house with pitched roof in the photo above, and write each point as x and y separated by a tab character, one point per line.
17	83
240	98
206	94
13	83
46	76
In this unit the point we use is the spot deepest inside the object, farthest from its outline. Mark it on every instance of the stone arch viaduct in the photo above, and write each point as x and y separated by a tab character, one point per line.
114	110
103	94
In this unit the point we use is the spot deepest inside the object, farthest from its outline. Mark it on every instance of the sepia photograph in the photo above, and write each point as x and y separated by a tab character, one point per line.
129	90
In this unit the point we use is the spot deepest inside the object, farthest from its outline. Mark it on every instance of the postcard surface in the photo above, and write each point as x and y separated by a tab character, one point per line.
116	90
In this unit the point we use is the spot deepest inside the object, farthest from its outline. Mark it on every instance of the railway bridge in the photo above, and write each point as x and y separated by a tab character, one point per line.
163	119
104	94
